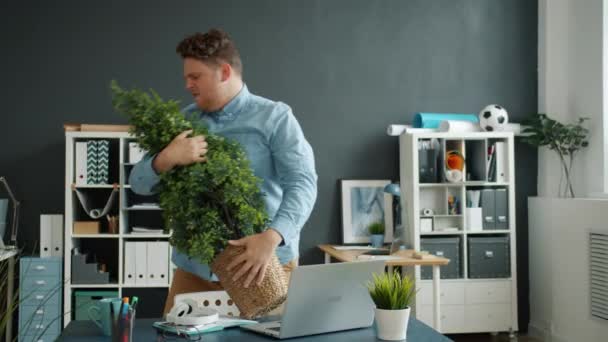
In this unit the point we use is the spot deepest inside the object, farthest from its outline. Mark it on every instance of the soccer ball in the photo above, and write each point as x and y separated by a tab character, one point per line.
493	118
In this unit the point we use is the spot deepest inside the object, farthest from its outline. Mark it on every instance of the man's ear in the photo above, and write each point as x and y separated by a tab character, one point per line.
226	71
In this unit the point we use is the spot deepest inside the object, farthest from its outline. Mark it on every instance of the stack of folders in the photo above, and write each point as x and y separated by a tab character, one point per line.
496	166
427	161
146	263
92	162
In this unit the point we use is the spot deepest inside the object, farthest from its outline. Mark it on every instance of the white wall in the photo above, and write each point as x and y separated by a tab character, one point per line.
570	85
559	268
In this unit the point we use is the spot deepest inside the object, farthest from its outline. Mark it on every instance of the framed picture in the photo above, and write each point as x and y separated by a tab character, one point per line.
365	202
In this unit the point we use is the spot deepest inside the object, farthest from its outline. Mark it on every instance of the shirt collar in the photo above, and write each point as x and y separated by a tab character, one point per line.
232	109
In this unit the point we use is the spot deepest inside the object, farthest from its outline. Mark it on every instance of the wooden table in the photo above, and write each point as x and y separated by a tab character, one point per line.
9	256
405	258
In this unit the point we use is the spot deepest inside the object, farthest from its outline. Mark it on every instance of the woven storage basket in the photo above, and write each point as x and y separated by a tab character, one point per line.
254	301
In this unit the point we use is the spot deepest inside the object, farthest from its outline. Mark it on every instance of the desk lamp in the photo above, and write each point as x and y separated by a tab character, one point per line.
399	237
15	224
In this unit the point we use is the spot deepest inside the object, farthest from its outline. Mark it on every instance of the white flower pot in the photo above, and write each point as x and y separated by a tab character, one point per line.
391	325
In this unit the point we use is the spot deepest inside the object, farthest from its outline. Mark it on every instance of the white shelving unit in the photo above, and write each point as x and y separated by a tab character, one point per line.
118	159
467	305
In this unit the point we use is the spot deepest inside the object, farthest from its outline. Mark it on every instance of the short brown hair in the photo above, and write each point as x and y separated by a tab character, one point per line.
214	46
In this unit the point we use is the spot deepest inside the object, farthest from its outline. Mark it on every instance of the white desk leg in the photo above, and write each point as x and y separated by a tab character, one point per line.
327	258
436	295
9	299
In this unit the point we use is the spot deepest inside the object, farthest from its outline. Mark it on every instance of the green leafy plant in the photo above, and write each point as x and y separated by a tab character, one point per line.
376	228
204	204
390	291
565	139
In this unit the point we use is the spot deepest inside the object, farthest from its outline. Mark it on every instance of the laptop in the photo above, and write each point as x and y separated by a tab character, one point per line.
324	298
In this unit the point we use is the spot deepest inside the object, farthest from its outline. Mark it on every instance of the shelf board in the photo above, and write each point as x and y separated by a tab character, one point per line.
95	186
496	231
143	208
86	286
142	236
141	286
441	216
460	232
96	236
468	183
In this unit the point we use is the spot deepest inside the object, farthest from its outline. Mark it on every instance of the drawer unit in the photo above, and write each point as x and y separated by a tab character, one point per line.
488	317
452	317
488	292
40	289
448	247
33	267
449	293
489	257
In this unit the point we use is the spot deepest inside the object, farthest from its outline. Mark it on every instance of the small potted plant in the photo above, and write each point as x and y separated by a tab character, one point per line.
376	234
392	295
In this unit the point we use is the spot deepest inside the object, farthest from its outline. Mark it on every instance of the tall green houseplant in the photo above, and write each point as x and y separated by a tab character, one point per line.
565	139
204	204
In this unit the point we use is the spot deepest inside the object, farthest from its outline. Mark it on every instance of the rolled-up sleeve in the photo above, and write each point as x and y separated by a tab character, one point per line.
143	178
295	166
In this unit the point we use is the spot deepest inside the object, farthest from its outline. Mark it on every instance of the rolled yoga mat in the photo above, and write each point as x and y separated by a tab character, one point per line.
433	120
459	126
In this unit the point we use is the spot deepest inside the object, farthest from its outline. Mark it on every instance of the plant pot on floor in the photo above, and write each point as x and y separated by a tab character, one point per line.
376	240
256	300
391	325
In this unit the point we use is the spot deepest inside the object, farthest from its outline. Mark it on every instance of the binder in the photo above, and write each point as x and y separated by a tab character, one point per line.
51	236
135	153
158	263
81	163
488	205
501	209
501	162
129	260
141	263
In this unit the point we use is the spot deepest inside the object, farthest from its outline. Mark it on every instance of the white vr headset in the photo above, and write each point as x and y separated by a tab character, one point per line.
190	312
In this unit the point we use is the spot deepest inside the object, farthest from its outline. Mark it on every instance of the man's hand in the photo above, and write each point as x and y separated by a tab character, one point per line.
181	151
258	251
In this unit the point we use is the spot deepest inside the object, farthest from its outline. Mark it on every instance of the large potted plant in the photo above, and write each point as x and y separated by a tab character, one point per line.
392	295
565	139
206	204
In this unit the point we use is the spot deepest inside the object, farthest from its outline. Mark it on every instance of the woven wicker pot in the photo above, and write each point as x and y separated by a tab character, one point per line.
257	300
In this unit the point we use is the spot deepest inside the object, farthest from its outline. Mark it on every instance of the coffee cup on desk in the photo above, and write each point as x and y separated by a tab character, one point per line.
99	313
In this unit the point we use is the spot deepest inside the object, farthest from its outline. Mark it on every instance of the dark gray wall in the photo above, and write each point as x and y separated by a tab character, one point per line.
348	68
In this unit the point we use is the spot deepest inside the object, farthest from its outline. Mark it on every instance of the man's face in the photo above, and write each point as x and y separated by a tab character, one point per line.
204	82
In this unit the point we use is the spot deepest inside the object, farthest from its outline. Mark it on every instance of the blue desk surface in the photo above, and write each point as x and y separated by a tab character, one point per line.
143	331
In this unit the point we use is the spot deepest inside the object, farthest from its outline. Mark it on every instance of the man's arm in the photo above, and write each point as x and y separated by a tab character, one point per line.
295	164
182	150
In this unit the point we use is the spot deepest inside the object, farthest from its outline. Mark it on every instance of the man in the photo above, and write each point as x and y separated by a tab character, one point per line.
274	143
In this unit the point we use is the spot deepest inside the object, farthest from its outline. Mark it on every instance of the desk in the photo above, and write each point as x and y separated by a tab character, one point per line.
405	259
78	331
9	256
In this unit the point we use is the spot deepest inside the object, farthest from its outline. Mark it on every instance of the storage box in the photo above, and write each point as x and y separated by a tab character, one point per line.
447	247
489	257
83	300
426	224
87	227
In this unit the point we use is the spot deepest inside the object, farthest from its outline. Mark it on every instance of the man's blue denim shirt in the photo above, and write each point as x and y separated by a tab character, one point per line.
279	155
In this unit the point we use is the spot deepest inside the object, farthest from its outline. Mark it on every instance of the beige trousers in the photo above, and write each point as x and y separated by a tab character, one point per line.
186	282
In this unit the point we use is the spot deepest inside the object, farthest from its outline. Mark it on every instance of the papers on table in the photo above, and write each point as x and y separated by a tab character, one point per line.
354	248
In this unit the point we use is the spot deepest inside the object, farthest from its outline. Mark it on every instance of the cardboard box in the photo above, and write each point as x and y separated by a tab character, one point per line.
87	227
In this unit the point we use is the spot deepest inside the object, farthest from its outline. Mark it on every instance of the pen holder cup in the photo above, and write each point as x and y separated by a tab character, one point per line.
122	331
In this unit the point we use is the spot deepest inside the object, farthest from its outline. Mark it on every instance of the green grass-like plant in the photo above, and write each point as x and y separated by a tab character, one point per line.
376	228
390	291
204	204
